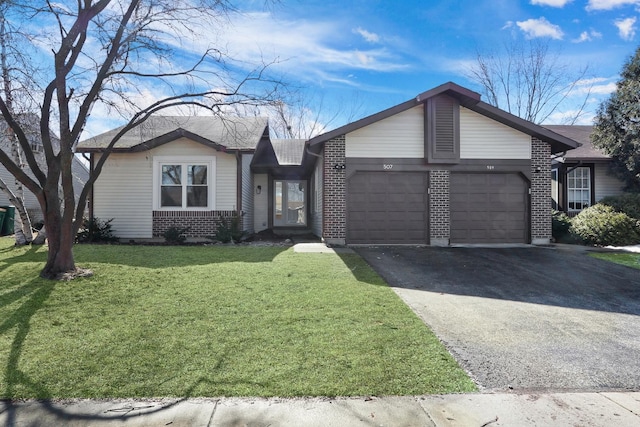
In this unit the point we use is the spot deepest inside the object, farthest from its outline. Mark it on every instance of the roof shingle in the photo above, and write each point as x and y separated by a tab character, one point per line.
230	132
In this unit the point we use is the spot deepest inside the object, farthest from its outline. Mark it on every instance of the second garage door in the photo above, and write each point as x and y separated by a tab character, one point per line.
489	208
387	208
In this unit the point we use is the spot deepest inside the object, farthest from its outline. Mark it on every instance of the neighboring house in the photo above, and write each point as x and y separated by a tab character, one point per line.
580	177
79	170
442	168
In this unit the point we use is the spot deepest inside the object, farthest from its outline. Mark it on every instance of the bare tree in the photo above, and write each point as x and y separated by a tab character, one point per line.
103	54
531	82
305	115
14	67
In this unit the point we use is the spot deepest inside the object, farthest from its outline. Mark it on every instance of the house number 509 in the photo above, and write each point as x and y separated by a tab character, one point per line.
490	167
387	167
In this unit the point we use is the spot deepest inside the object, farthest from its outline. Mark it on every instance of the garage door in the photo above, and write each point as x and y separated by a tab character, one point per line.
387	208
489	208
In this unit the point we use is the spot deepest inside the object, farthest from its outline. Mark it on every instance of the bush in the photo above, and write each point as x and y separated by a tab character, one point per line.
628	203
602	225
560	225
175	235
95	230
229	231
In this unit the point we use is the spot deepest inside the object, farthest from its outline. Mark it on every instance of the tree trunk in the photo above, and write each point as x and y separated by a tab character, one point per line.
60	237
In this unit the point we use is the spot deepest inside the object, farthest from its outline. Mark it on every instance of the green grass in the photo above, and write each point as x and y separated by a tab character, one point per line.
211	321
624	258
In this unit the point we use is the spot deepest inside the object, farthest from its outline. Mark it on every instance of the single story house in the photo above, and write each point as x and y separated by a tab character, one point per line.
580	177
442	168
79	170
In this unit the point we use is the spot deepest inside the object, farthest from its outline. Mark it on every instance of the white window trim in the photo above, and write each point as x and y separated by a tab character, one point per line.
210	161
589	189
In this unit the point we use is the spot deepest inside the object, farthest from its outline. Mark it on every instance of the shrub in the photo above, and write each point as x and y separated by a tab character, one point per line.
602	225
95	230
229	231
175	235
560	225
628	203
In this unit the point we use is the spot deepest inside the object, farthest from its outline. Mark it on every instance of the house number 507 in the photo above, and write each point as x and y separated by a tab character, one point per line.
387	167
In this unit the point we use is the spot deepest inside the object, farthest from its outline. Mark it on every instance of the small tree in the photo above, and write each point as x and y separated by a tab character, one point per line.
617	126
529	81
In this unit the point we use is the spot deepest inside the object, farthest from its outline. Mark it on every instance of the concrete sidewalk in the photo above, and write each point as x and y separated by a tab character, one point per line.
481	410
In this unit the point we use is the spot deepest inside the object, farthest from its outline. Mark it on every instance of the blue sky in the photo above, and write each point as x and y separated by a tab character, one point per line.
357	57
384	52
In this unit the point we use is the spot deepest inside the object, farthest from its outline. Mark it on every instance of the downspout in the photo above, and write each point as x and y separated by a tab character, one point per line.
239	211
90	159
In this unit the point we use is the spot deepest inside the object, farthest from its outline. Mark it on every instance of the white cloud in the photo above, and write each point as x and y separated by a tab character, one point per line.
507	25
368	36
587	36
626	28
534	28
552	3
595	86
314	53
610	4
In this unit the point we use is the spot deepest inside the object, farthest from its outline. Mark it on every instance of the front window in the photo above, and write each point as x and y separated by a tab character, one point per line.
184	185
579	188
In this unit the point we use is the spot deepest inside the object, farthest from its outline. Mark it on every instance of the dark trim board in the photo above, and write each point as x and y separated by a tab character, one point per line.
355	164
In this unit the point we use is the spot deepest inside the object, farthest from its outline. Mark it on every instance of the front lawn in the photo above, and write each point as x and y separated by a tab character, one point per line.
211	321
624	258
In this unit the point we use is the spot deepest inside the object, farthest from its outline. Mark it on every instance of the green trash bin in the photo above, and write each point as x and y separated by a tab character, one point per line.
9	218
3	213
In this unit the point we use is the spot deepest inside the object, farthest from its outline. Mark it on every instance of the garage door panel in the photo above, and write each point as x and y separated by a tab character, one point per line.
488	208
389	207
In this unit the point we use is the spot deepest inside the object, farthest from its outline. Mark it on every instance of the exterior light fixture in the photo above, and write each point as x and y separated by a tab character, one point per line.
259	189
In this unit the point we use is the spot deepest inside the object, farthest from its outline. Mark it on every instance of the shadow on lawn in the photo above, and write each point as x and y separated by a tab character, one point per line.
30	255
35	294
47	411
174	256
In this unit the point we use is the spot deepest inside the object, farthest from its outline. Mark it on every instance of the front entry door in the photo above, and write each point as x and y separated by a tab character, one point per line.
289	203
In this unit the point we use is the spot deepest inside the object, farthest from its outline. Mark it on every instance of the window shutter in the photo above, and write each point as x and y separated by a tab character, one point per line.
442	124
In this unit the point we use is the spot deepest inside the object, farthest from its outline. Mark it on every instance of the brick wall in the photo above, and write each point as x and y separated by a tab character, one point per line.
334	203
439	224
540	192
201	223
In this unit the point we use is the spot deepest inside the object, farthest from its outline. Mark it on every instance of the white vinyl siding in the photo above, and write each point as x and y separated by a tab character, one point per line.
248	192
605	184
124	191
484	138
316	199
261	203
398	136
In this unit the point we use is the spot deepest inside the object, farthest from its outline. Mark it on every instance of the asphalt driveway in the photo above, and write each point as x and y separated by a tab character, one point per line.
524	319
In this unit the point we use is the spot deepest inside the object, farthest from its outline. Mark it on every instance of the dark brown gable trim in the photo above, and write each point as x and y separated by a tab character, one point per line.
442	129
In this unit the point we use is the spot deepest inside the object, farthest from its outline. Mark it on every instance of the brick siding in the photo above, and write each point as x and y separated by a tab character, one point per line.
334	202
439	215
201	223
540	192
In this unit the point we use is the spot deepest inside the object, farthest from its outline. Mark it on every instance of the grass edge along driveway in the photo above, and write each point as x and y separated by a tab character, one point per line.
211	321
624	258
